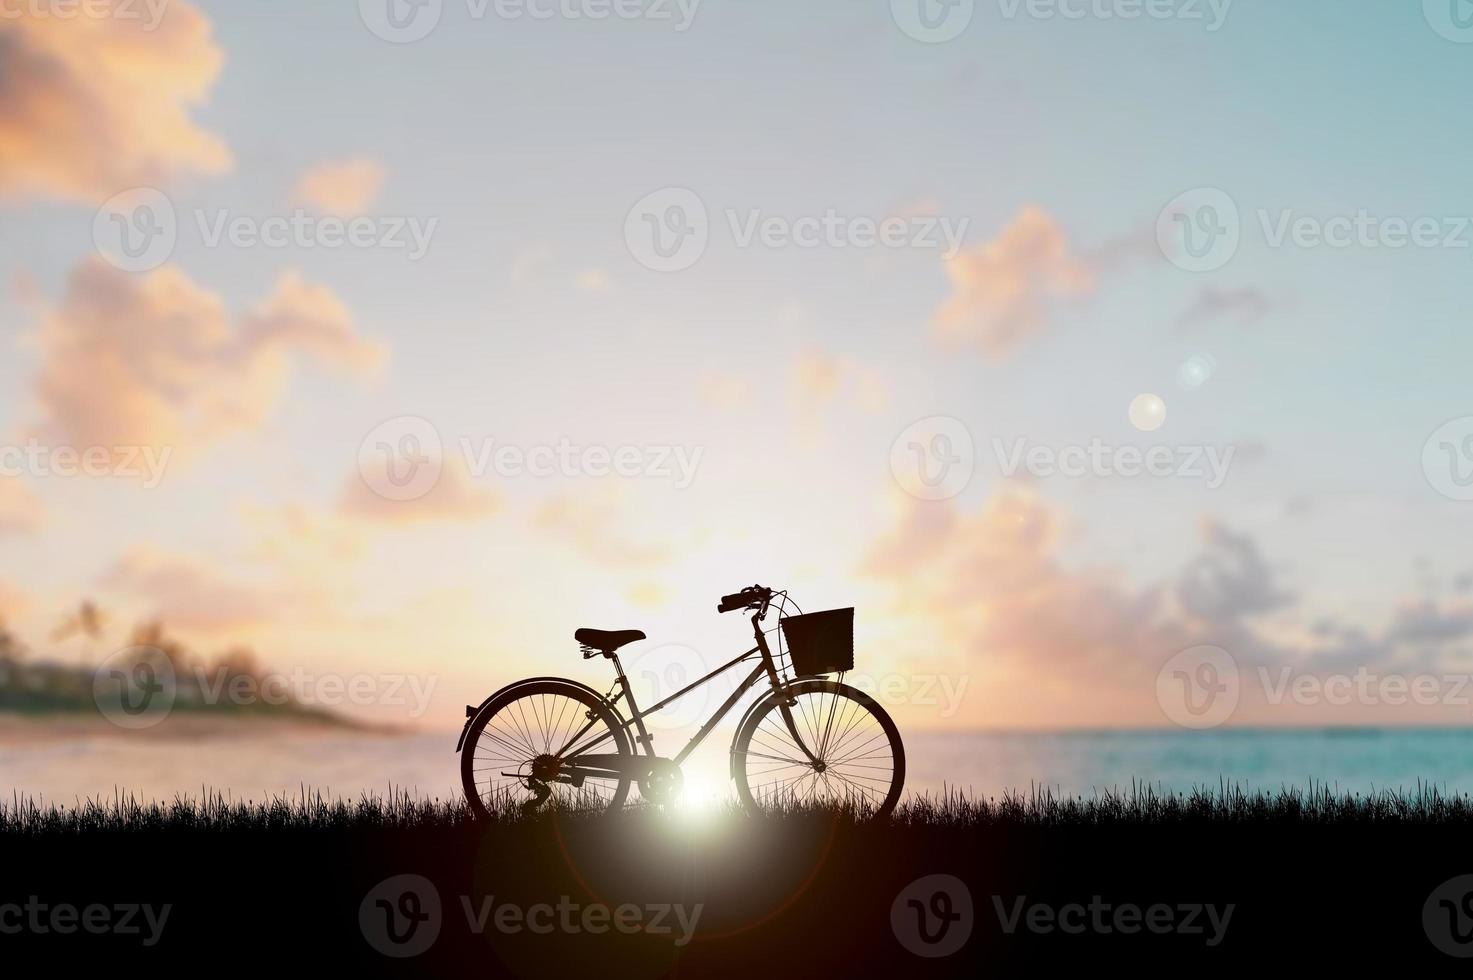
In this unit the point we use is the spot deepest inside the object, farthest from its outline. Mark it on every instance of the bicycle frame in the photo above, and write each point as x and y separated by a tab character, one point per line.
585	764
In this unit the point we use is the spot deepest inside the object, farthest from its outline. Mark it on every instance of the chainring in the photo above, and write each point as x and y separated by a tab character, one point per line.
662	783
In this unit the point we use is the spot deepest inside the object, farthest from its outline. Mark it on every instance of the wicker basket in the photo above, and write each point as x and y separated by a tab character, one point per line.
820	642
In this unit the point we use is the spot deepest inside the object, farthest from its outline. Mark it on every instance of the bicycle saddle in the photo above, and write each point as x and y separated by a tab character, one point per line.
607	641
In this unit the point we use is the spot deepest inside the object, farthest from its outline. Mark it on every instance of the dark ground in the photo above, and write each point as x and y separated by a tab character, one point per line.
793	895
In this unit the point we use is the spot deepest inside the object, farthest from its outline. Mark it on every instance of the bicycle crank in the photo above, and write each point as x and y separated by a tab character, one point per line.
662	783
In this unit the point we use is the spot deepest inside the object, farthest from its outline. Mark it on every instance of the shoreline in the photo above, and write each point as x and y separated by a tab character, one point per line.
18	728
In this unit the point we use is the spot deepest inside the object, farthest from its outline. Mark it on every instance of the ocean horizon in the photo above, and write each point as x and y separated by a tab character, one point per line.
284	760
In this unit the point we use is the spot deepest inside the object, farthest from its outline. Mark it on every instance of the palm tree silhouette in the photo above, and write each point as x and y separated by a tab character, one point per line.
86	622
11	648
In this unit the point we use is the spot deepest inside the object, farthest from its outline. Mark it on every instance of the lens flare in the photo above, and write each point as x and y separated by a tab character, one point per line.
1147	412
1196	371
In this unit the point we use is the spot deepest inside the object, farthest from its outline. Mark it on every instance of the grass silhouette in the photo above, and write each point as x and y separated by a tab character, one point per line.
1142	805
810	888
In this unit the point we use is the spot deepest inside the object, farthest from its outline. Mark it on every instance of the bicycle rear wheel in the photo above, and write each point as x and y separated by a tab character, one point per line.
518	746
857	758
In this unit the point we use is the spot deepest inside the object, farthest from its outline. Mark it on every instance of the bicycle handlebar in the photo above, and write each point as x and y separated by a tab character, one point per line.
749	598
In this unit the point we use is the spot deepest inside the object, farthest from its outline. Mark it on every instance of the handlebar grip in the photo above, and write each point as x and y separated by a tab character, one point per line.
736	600
744	599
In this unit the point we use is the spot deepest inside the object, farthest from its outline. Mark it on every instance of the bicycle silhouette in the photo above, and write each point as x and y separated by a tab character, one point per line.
808	741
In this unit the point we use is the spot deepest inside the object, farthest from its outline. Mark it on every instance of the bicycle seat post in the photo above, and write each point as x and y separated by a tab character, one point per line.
625	691
644	738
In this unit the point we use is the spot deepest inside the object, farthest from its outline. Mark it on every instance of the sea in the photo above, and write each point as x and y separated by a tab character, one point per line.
286	762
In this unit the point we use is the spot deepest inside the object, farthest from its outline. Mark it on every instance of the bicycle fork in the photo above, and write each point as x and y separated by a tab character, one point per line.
786	704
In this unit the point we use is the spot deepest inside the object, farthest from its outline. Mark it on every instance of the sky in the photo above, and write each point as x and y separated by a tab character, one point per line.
655	234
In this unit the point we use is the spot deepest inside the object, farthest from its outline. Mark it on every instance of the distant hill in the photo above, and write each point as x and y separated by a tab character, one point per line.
44	689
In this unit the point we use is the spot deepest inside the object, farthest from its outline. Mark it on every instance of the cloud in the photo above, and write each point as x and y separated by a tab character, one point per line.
21	511
296	538
455	498
725	390
816	376
820	377
156	361
346	188
1003	292
647	595
593	280
290	568
821	382
1247	305
996	582
921	536
529	263
14	602
997	586
597	525
91	106
926	206
1229	580
1424	621
817	379
310	319
189	593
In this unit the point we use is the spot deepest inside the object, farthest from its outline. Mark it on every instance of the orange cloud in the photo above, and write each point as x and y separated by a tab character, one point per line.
91	106
190	594
311	319
724	390
995	577
14	603
1003	291
298	539
345	188
819	377
816	375
1081	646
647	595
593	280
156	361
21	511
597	524
454	498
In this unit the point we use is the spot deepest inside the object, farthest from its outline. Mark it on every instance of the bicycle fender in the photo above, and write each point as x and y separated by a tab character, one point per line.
472	710
752	708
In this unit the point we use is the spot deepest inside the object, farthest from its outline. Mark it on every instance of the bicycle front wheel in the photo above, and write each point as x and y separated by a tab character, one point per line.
847	751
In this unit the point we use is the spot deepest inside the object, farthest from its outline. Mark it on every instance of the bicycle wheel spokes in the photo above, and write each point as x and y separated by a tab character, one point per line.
846	753
518	756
